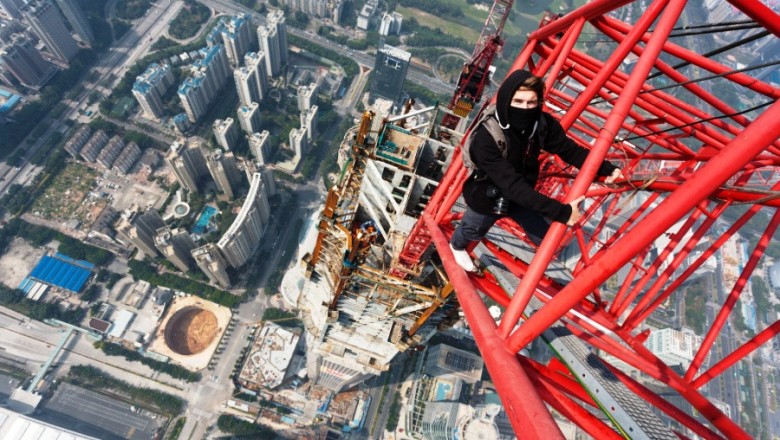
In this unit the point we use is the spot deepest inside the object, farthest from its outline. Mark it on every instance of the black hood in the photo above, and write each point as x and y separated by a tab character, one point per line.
506	92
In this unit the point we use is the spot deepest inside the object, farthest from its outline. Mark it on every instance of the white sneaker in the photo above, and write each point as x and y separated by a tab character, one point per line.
463	259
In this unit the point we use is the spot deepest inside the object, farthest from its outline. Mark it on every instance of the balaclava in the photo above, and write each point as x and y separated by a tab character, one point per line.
519	120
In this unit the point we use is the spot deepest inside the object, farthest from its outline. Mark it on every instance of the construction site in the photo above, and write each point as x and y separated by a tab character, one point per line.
380	279
190	332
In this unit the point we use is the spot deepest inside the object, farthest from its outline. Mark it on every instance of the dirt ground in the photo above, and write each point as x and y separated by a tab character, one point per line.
19	259
192	332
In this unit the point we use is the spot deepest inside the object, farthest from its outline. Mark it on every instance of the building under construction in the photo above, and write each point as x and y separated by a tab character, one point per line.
357	316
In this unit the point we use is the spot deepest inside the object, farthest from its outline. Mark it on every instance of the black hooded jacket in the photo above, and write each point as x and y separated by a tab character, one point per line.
516	175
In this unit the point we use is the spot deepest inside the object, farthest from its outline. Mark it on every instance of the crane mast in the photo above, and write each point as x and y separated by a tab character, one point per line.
476	72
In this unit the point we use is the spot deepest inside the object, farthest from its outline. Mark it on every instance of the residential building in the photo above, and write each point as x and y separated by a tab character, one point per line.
215	67
49	25
127	158
452	419
390	23
76	142
238	37
298	142
77	19
226	133
273	42
210	73
110	152
187	161
89	152
140	230
306	95
260	146
210	260
176	246
193	97
224	170
390	70
252	79
25	63
330	9
249	117
674	347
150	87
309	123
244	235
366	15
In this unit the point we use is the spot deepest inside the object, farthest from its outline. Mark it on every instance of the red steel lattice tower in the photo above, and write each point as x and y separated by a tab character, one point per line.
697	140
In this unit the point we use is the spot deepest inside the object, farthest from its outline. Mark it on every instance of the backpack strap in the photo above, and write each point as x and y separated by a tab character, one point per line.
495	130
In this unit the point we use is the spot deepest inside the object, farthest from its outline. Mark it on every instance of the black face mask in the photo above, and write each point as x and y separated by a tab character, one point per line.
522	119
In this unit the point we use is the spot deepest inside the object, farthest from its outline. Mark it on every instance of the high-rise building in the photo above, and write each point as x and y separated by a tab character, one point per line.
193	97
187	161
210	73
269	184
390	23
25	62
390	72
77	19
49	25
140	229
298	142
260	146
150	87
238	37
330	9
273	41
674	347
226	133
306	96
176	246
12	8
215	67
452	419
210	260
251	79
249	117
366	15
309	123
244	235
224	170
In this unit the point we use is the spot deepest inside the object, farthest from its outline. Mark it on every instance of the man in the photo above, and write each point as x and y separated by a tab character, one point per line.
503	183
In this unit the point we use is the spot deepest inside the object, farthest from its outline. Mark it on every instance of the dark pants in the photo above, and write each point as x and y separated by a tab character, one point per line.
473	226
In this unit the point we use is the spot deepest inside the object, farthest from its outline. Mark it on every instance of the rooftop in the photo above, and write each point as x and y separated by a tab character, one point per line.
270	356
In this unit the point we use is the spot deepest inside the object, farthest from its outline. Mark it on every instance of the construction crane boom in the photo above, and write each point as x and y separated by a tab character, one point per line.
476	72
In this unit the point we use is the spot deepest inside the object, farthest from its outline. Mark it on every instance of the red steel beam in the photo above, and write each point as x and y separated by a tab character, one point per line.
732	158
736	356
670	410
589	168
723	315
522	403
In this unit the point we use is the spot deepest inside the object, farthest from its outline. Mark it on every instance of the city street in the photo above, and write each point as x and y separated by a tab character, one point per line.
114	61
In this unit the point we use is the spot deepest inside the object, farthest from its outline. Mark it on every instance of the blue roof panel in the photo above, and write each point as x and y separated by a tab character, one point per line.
60	273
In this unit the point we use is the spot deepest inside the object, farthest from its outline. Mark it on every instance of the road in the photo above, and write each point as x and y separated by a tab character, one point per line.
114	61
31	342
414	75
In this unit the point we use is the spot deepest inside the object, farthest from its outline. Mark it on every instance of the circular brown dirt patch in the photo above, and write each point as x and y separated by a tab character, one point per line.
190	330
